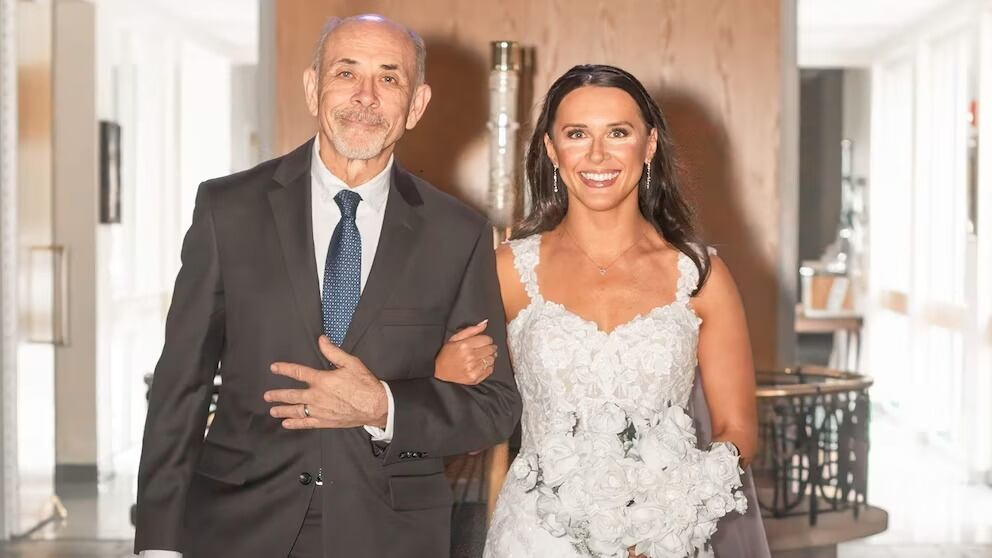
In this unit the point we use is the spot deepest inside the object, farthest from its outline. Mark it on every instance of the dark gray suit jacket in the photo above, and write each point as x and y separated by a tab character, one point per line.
247	296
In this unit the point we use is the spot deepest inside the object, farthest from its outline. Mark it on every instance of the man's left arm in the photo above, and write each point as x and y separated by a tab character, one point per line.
433	418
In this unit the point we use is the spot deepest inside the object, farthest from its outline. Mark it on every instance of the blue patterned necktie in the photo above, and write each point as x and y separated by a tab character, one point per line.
342	270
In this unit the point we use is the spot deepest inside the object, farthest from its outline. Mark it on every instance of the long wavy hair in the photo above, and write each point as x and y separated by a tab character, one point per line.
662	204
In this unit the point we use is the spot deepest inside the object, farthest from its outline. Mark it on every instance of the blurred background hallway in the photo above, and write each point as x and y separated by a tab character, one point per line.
832	147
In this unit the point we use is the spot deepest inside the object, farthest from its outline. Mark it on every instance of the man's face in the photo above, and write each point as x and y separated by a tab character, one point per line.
366	94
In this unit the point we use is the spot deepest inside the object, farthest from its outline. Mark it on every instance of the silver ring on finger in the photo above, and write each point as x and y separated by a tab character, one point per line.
306	410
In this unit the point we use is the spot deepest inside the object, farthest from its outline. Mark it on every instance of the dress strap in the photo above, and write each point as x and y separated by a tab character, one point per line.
526	253
688	274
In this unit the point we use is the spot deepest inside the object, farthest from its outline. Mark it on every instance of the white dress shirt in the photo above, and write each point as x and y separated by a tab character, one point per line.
326	214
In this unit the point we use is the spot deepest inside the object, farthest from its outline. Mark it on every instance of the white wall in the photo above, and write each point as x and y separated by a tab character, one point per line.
186	116
8	343
245	146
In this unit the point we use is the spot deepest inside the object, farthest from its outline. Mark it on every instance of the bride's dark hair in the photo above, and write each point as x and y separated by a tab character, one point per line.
662	204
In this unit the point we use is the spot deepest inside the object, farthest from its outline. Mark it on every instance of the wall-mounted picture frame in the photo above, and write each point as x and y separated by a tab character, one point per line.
110	172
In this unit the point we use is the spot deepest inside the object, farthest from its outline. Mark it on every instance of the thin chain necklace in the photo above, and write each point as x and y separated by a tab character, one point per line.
602	268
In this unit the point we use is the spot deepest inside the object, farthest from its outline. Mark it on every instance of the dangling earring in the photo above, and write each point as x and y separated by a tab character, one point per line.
647	183
555	172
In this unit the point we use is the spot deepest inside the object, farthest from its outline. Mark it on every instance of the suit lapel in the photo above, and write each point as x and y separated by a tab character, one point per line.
291	210
400	229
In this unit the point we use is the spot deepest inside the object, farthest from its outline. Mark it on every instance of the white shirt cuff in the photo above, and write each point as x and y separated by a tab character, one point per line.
159	554
378	434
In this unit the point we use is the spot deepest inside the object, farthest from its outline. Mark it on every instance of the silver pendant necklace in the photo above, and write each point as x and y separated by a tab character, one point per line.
601	268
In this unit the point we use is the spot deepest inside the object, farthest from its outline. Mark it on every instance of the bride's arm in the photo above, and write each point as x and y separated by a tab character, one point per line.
725	361
467	357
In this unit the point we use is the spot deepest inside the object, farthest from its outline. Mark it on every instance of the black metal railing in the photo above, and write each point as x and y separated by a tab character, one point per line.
813	425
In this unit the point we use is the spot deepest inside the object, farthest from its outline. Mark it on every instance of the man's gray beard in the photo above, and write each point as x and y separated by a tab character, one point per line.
364	151
375	139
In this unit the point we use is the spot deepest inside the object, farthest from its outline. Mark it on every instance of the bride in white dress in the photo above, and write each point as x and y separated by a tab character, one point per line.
608	296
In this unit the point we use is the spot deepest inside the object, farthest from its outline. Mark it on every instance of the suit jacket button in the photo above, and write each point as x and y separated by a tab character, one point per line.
305	478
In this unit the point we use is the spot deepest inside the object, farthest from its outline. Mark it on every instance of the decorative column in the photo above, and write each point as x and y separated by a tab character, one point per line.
503	201
504	194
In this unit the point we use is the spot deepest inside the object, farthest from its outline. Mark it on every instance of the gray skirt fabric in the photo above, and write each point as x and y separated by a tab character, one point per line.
737	536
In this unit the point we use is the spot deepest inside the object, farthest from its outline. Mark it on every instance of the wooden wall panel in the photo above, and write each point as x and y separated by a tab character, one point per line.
714	65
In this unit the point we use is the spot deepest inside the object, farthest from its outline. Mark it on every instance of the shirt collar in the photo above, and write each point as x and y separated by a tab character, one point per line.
374	192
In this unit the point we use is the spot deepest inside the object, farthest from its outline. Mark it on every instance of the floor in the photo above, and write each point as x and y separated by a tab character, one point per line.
66	549
933	511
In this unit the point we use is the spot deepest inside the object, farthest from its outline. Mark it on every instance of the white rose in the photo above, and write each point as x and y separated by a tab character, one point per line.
562	422
606	530
669	544
704	489
603	418
682	478
703	531
668	492
525	469
574	496
558	459
676	416
610	486
552	518
722	467
661	448
643	480
681	518
641	416
740	502
647	446
719	505
603	445
653	418
644	523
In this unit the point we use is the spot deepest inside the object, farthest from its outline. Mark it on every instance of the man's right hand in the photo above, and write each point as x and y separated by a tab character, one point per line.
468	357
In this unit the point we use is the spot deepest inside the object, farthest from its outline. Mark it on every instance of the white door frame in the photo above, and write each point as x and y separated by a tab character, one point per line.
8	273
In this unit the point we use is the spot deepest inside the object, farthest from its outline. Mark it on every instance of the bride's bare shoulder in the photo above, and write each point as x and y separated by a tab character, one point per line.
719	293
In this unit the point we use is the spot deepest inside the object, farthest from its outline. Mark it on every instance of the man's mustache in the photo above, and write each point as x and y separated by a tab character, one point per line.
368	117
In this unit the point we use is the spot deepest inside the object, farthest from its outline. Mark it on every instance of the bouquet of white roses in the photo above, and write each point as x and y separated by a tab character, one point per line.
609	481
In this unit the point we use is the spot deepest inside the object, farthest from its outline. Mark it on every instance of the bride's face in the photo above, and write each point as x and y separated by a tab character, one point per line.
600	143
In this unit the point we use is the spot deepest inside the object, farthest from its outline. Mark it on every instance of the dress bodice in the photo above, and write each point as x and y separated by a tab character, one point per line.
564	362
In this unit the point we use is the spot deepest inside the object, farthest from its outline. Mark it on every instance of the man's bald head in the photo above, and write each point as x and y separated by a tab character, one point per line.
335	23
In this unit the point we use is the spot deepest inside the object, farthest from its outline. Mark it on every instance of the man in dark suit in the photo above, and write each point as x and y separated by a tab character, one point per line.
332	240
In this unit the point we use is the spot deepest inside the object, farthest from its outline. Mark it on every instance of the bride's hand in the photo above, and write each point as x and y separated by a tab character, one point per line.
631	551
467	358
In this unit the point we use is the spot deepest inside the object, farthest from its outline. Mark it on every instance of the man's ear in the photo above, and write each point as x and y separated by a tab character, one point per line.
418	105
310	89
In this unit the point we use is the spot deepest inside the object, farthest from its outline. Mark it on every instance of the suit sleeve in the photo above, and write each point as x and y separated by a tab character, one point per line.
436	418
181	387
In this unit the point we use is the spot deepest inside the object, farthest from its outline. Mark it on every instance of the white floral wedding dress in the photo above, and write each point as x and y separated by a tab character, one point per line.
564	363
